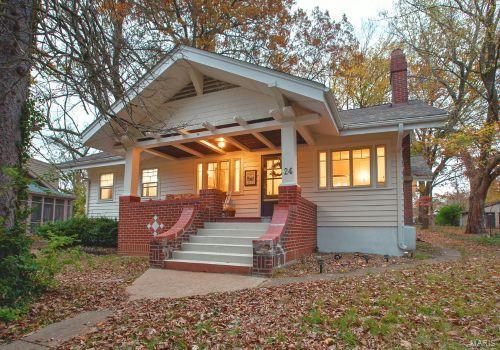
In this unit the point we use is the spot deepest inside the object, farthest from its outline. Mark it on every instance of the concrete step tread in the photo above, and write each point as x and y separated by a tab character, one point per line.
190	252
209	262
219	244
240	237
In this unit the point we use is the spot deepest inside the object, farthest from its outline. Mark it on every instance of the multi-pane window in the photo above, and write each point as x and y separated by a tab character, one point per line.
322	170
361	167
341	170
106	186
150	182
212	175
48	209
352	168
381	165
224	176
237	176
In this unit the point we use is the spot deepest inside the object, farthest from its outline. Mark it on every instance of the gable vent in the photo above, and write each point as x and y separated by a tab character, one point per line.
209	85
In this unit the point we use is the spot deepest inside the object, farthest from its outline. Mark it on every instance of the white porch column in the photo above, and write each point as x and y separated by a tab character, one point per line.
288	154
131	178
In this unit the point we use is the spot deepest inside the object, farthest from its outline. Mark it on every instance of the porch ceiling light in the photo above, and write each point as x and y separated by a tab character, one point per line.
221	142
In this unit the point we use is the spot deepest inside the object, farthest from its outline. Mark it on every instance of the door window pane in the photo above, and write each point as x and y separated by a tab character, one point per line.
273	176
361	167
341	172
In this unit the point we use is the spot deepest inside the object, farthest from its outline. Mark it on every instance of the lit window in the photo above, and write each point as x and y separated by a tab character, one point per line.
381	165
341	171
273	176
199	177
212	175
361	167
322	170
237	176
106	186
150	182
224	176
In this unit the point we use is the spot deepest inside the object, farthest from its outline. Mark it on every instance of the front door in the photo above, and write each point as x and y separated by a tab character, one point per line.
271	179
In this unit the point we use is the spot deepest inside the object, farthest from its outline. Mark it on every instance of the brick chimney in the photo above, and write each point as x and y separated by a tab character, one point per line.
399	78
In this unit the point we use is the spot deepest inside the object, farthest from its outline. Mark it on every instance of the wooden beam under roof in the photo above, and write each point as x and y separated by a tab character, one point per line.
159	154
264	140
238	143
189	150
204	142
306	135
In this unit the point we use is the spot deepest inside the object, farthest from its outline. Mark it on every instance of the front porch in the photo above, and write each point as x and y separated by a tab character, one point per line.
256	180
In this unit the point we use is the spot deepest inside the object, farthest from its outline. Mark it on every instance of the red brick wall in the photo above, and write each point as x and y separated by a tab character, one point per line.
292	234
407	181
134	215
301	232
399	77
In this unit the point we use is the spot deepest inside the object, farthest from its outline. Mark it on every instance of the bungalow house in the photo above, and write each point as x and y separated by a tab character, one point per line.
260	168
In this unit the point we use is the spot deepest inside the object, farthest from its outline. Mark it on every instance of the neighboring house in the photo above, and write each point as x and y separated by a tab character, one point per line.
46	202
491	216
276	144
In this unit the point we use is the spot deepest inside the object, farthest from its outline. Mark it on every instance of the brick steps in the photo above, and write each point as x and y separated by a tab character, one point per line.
206	266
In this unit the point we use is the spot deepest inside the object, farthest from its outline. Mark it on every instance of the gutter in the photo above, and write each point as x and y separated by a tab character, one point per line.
399	171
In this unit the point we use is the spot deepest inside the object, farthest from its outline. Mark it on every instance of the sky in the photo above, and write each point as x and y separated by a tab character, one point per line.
357	11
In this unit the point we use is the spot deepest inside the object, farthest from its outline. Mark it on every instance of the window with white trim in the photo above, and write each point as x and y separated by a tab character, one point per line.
322	169
237	176
149	182
358	167
106	186
224	175
381	165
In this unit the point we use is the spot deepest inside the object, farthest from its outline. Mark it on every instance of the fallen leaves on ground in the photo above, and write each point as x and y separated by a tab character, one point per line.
92	283
449	304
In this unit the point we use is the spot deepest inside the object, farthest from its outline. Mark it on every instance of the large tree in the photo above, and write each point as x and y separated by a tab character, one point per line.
16	47
459	41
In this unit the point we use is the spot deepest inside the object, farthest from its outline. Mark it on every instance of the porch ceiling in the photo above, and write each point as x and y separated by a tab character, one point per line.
242	142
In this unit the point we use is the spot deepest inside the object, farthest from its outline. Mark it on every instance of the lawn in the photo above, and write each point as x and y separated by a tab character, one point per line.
87	282
452	304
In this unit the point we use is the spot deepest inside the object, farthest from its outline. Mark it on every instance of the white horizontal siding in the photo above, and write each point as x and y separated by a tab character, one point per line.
219	107
101	208
376	207
355	207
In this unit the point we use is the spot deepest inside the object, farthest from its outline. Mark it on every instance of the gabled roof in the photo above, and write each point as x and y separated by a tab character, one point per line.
37	189
97	159
262	76
414	111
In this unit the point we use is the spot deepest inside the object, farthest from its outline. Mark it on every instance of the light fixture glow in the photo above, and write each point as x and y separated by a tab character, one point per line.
221	142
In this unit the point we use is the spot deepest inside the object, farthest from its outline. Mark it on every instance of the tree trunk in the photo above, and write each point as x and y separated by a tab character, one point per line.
424	204
16	38
479	186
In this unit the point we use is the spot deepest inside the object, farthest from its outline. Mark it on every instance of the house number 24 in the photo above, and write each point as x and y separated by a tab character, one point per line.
288	171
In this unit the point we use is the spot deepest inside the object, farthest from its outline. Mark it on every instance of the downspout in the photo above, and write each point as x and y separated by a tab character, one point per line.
87	196
399	172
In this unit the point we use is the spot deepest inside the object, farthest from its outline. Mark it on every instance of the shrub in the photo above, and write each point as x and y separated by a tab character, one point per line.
449	215
96	232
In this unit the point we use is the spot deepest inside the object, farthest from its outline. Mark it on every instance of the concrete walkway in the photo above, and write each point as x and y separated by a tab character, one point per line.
160	283
57	333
